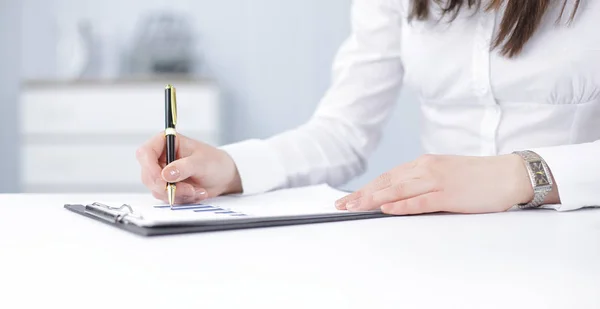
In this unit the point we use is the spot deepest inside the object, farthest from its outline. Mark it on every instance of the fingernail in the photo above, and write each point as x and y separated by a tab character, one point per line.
201	193
352	205
339	204
172	174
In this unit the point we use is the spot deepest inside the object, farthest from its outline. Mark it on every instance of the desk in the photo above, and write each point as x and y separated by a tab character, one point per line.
534	259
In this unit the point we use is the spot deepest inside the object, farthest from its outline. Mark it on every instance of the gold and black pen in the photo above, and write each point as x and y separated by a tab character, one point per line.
170	134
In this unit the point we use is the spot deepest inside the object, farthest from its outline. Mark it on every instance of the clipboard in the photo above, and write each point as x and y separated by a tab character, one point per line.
117	216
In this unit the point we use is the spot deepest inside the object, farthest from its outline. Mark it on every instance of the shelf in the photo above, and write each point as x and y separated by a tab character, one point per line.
142	80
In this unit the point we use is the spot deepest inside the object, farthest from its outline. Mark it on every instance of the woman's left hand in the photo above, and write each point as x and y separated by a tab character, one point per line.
457	184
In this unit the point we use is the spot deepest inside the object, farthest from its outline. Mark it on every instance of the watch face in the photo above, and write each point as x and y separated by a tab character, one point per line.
539	174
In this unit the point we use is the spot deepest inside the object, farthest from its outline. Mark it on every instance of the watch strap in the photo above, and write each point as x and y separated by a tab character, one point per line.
540	191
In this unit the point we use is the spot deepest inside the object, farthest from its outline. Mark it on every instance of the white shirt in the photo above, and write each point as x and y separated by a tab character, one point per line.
474	101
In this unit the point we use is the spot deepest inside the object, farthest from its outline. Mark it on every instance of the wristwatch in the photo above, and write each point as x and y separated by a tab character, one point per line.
539	174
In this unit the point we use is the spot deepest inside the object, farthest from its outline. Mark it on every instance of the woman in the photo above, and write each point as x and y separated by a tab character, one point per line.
510	98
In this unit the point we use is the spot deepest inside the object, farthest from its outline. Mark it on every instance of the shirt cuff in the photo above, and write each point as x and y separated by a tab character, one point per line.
576	174
258	165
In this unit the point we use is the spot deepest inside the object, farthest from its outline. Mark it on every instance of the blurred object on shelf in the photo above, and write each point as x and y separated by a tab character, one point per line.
163	44
75	51
92	42
87	52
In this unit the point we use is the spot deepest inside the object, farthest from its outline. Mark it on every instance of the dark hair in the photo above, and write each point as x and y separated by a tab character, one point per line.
519	23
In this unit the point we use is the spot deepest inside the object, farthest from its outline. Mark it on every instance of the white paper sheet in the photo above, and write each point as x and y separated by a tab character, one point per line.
288	202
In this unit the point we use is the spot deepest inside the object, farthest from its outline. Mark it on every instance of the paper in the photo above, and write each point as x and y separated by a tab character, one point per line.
289	202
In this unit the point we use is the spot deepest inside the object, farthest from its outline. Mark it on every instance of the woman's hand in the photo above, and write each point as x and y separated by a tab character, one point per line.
456	184
200	171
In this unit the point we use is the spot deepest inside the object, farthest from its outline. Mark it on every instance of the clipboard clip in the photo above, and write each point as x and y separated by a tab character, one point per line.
110	213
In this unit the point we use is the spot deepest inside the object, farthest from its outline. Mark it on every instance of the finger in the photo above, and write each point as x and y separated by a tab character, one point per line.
148	157
179	200
183	169
400	174
152	179
421	204
383	181
393	193
185	193
152	149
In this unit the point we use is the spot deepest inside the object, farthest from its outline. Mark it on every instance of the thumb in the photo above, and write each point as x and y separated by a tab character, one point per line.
181	169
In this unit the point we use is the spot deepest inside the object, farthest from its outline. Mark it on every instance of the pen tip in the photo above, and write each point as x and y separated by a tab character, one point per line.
171	194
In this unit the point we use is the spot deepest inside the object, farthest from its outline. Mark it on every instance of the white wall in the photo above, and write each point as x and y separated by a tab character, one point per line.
9	79
271	57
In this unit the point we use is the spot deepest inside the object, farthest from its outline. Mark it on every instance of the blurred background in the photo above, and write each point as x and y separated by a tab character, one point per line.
81	83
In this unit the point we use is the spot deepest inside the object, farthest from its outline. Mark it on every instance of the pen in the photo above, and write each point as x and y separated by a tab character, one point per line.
170	133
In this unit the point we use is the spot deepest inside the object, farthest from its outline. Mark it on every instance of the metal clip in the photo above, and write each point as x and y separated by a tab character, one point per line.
110	213
174	105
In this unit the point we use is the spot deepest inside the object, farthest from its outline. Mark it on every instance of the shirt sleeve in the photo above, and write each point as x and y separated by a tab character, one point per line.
333	146
576	172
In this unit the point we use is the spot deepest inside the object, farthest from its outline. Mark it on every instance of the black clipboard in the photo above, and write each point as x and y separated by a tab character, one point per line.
117	217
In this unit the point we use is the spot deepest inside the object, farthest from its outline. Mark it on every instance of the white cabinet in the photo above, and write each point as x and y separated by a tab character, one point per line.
82	136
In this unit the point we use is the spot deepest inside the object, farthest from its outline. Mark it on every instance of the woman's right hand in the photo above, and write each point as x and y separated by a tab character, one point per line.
200	171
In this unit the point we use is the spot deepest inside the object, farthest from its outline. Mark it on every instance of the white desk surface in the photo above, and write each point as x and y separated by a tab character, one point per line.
535	259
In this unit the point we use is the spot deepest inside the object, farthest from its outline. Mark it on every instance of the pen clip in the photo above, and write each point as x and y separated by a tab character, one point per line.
174	105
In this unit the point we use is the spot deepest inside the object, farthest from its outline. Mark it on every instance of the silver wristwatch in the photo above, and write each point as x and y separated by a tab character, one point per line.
540	177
